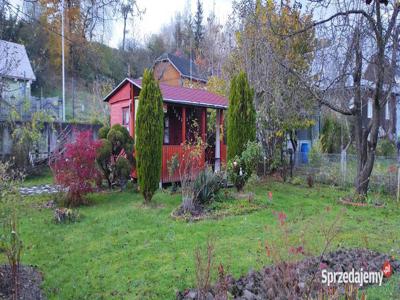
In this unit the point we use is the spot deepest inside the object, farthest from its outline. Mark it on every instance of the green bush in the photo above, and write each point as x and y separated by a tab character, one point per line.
206	186
103	132
297	180
118	136
241	116
66	215
386	147
117	141
332	133
240	168
122	171
315	155
149	130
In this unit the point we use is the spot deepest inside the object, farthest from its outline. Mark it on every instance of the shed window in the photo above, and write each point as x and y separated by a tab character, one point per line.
125	117
166	128
369	109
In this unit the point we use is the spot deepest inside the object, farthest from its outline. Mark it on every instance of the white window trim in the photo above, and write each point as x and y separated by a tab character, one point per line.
369	108
387	115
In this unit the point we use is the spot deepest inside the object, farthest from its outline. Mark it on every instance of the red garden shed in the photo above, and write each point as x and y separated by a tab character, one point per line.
183	107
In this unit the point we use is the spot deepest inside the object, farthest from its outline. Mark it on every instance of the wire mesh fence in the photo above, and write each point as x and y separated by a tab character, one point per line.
341	170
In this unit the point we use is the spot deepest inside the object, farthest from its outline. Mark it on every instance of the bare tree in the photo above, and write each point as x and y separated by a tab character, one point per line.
353	37
282	103
129	10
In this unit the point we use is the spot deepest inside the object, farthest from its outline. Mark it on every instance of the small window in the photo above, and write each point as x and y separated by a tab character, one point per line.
369	109
166	129
387	115
125	117
351	103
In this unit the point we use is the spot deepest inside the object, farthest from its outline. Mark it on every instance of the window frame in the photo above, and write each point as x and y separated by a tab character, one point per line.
387	114
126	113
166	135
369	109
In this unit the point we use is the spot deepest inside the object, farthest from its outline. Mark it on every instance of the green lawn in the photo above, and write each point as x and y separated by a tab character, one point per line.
45	178
121	249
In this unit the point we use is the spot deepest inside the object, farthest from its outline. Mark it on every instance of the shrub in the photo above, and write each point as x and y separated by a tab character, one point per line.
118	143
297	181
240	168
241	116
190	166
315	155
119	137
206	186
10	241
25	139
386	147
103	132
65	215
149	130
204	267
173	164
75	169
122	171
332	134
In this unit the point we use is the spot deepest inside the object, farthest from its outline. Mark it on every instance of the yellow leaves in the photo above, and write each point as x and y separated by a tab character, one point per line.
279	133
217	86
73	28
272	23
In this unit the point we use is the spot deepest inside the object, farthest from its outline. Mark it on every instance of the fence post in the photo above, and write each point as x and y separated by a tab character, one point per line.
343	165
398	183
265	165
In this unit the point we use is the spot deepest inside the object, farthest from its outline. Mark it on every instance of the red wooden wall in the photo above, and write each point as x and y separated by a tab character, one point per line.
124	97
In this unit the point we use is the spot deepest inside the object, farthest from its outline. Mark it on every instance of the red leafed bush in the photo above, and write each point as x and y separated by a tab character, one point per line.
74	168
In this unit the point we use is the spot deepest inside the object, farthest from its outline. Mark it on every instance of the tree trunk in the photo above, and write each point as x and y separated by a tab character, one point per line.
124	33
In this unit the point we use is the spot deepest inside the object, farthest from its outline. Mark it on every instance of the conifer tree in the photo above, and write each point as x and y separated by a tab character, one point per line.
198	26
149	136
241	115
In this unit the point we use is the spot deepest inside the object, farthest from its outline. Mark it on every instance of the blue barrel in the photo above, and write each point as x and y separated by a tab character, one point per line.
304	149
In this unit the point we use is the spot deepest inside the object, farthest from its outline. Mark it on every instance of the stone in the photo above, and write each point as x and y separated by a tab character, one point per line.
247	295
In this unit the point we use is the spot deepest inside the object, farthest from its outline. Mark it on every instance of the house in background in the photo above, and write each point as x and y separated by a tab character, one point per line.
390	114
388	117
174	70
16	74
16	77
183	108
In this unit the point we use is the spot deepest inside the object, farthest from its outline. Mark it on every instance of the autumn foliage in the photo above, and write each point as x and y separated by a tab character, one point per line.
74	168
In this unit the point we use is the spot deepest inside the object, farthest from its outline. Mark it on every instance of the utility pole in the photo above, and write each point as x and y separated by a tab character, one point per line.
73	97
63	60
190	54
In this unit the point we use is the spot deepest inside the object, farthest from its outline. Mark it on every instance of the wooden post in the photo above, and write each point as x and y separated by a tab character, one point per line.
203	124
218	141
183	124
398	183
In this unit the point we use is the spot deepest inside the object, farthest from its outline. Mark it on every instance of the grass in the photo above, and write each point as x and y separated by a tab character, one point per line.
44	178
122	249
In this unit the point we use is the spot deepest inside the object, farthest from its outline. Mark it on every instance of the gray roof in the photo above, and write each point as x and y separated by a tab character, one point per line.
14	62
371	71
183	66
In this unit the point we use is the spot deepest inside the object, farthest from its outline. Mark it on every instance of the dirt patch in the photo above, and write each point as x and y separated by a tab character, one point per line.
351	202
197	214
296	280
30	280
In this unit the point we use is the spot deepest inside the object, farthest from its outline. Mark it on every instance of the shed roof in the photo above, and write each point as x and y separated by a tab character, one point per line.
186	67
180	95
14	62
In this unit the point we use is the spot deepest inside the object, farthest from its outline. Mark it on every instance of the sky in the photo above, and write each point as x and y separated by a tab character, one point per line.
160	12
